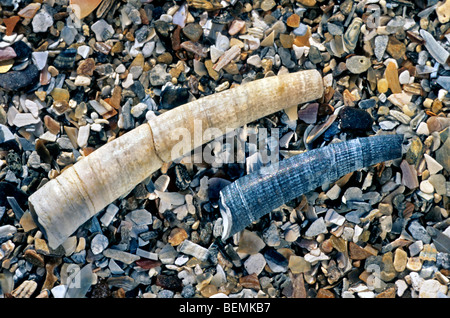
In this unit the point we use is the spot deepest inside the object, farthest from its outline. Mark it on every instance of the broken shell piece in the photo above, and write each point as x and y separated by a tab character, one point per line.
25	290
82	8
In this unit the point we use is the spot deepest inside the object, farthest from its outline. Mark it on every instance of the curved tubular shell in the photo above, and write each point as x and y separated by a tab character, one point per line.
81	191
66	202
252	196
233	108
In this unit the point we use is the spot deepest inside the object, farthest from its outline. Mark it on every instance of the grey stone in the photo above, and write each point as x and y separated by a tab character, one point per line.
352	194
5	134
40	59
111	211
165	294
68	33
121	256
354	216
333	217
167	254
42	21
434	48
80	283
127	117
415	248
99	243
418	232
188	291
7	231
285	56
358	64
103	30
301	29
443	260
335	29
255	264
271	235
444	81
381	42
159	76
314	55
193	249
141	217
316	228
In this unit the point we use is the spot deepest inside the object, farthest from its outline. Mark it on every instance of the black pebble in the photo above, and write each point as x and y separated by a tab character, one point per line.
22	50
182	178
355	119
18	80
173	96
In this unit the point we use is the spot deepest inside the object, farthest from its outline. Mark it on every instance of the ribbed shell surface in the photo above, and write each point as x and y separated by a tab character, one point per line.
252	196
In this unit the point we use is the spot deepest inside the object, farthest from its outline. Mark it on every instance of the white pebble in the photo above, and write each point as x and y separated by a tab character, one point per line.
84	51
42	21
423	129
128	82
432	165
82	80
120	69
404	77
254	60
401	287
40	59
59	291
83	135
426	187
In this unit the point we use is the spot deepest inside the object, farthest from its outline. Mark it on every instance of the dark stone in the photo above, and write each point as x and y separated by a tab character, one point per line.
286	58
162	28
331	131
275	257
19	80
173	96
14	162
193	31
170	282
314	55
101	290
22	50
138	89
66	59
182	178
355	119
214	187
142	33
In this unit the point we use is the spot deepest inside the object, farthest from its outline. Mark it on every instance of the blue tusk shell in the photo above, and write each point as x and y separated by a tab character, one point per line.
252	196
